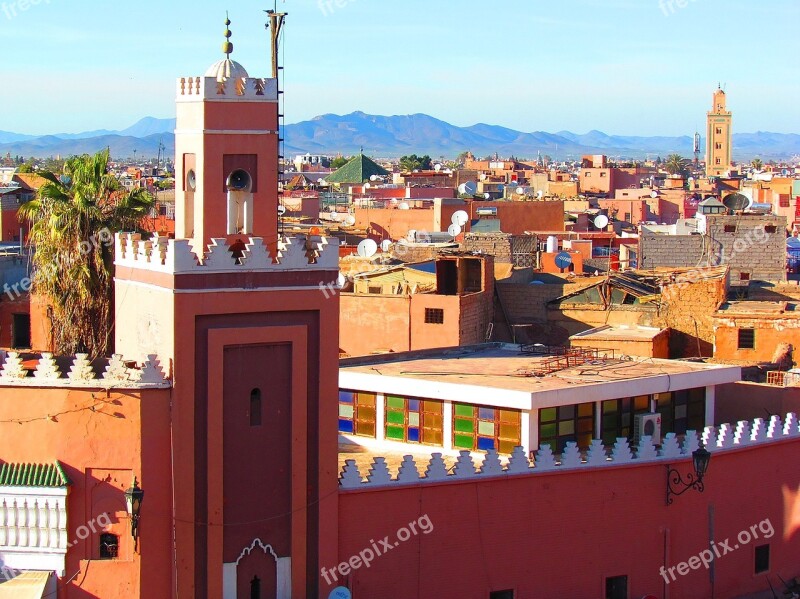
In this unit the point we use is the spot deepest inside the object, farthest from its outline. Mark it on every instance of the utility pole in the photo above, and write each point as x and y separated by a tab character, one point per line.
275	25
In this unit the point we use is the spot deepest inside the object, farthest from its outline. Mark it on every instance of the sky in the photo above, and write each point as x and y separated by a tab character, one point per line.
625	67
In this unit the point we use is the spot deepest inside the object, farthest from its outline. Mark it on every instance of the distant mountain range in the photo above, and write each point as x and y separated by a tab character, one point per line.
393	136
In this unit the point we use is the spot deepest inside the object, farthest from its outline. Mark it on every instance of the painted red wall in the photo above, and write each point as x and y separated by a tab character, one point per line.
561	534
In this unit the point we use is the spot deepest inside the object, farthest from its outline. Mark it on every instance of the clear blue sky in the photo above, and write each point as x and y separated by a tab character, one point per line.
621	66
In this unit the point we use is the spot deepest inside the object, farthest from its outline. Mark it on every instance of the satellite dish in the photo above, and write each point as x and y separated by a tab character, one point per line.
460	218
393	201
486	196
482	177
373	177
520	191
470	187
334	217
737	202
404	206
366	186
386	245
654	194
411	235
340	280
281	210
601	221
454	230
563	260
540	194
437	167
349	220
367	248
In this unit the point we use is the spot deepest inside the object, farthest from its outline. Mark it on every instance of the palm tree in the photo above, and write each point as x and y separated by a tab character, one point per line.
73	221
675	164
757	164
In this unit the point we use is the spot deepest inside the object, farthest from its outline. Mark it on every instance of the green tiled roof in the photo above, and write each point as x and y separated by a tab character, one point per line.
33	475
358	170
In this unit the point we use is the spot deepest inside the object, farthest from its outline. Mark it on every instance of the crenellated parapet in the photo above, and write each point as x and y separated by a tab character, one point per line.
78	371
177	256
234	88
745	434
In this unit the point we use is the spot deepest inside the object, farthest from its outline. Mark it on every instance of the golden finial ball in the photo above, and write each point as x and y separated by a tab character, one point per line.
227	47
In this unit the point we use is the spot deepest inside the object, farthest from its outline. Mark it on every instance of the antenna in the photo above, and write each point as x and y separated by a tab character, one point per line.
275	26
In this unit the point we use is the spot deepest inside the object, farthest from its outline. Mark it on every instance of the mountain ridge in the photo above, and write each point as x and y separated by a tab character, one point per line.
395	135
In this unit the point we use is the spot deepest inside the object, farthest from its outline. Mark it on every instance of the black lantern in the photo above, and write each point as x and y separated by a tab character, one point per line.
675	483
133	499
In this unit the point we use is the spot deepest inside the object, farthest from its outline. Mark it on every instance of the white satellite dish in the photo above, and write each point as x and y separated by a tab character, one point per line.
654	194
386	245
454	230
340	280
334	217
482	177
411	235
540	194
404	206
366	186
349	220
281	210
437	167
460	218
486	196
367	248
373	177
520	191
601	221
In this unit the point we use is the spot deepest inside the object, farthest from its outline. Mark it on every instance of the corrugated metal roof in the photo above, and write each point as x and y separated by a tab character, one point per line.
33	475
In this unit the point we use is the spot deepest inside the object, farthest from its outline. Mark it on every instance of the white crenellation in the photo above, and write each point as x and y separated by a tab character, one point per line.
178	256
437	470
759	431
379	472
774	428
464	467
596	456
621	452
81	369
709	438
571	457
646	450
234	89
12	367
117	373
408	472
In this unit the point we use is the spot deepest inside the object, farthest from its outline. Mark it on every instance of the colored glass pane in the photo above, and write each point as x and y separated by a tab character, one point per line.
434	407
413	405
463	426
393	417
395	402
566	412
462	410
566	427
413	435
585	409
511	416
506	446
509	431
547	430
547	415
433	421
485	443
395	432
367	399
345	426
365	428
365	413
346	396
432	437
486	413
463	441
346	411
486	428
413	419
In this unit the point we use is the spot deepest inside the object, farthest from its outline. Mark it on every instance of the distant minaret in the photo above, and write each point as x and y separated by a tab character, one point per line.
719	143
697	149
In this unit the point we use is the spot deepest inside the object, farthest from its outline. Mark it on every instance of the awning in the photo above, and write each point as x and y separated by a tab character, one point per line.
28	585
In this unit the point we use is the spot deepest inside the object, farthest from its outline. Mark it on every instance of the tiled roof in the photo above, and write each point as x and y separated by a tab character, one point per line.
30	181
358	170
33	475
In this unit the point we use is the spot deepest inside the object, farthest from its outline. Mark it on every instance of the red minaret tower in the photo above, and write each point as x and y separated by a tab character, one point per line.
236	315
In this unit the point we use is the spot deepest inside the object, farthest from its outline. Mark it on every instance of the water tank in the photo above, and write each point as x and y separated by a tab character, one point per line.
552	244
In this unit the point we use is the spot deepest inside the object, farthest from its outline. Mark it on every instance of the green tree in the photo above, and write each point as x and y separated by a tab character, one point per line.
415	163
73	221
675	164
757	164
26	167
339	162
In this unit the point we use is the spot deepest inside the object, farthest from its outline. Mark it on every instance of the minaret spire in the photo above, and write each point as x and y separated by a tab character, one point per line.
227	45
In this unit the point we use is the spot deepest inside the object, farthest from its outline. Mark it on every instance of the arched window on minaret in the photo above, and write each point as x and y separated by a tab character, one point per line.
255	588
255	407
240	202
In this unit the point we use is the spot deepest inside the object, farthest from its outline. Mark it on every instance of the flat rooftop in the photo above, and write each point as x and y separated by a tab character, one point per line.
758	308
503	375
620	333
